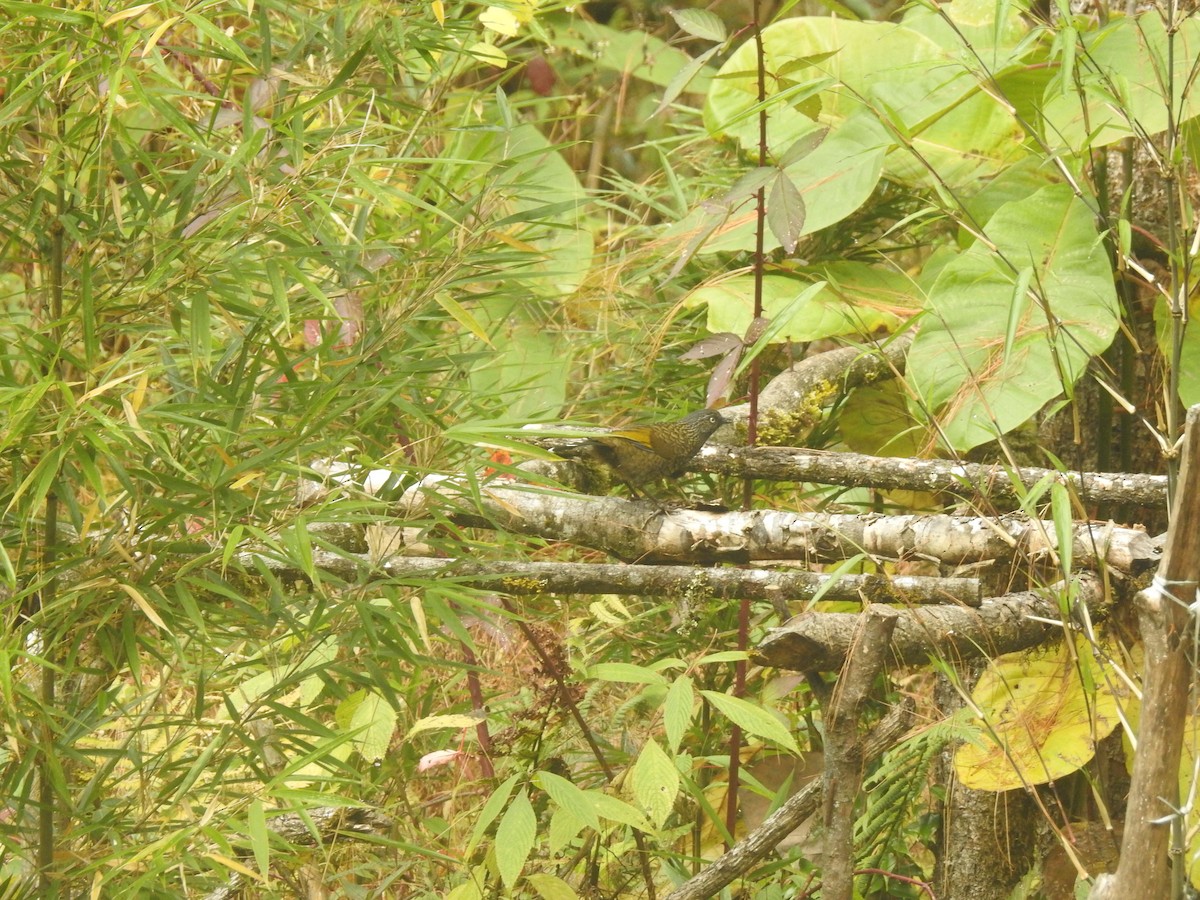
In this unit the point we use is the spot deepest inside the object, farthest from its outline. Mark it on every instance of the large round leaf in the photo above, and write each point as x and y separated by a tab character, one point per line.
972	28
1008	329
837	52
1044	712
531	201
857	299
833	181
921	89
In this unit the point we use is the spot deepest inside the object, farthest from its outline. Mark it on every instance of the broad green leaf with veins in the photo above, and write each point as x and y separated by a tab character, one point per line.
969	376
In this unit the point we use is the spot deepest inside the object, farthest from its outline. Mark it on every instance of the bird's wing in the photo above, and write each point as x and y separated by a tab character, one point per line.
643	437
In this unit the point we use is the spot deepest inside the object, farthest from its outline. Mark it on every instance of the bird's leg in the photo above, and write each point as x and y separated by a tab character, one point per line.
663	508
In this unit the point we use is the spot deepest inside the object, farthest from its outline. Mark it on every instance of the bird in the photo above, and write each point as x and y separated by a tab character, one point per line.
648	453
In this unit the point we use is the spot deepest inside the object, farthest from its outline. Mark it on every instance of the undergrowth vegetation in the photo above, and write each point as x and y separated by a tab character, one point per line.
246	244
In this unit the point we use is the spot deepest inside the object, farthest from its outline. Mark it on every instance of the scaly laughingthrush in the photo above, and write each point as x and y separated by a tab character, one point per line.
643	454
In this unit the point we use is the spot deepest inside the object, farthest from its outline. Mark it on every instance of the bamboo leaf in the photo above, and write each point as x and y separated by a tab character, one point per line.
752	719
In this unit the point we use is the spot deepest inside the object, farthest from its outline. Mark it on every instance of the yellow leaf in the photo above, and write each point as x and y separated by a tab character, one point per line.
490	54
105	386
144	605
131	417
228	460
158	33
236	866
246	479
1043	712
523	246
139	392
500	20
130	13
418	612
463	317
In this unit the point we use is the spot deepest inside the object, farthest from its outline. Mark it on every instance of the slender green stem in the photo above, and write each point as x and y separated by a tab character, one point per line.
1180	262
46	799
46	804
739	682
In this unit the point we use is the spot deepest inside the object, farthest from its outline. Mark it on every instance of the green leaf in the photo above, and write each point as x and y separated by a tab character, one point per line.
626	673
1067	41
468	890
1017	182
804	145
776	327
679	708
685	76
785	211
626	52
833	181
878	69
1122	71
514	839
1189	346
10	573
528	373
372	722
700	23
974	30
49	13
722	656
655	782
876	420
230	47
1064	526
550	887
260	839
564	828
258	687
958	362
752	719
495	803
568	796
619	811
435	723
1017	308
856	299
537	211
850	566
297	540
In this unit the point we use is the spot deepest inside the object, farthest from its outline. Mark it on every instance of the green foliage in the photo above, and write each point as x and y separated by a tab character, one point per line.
1039	299
887	830
970	114
238	241
245	244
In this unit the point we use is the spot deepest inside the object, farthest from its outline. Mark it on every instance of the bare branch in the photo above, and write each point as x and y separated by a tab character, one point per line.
522	577
844	752
971	480
1143	870
822	641
643	532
